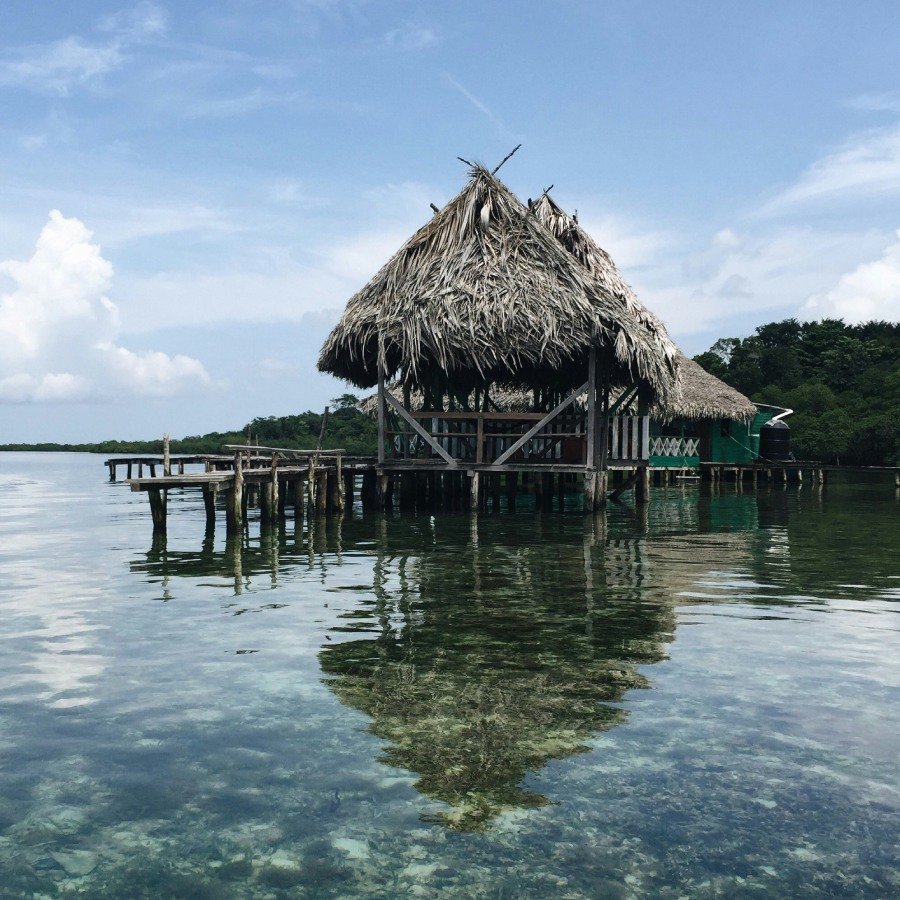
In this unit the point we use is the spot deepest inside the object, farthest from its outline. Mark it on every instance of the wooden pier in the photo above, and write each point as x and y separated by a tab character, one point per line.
278	480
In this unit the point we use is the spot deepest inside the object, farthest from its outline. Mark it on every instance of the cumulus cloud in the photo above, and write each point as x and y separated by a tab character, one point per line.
870	291
58	329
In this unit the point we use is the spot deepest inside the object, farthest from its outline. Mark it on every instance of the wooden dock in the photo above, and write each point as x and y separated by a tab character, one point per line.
278	480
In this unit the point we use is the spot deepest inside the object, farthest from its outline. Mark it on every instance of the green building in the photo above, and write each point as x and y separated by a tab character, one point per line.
708	422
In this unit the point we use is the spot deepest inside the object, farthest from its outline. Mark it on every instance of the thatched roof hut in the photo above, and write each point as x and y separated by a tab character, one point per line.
699	394
484	293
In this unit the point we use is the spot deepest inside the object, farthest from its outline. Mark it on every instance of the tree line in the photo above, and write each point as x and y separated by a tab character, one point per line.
842	381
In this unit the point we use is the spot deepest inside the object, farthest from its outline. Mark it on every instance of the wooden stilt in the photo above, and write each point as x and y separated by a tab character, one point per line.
369	489
209	502
234	508
642	484
266	510
339	481
349	487
112	471
332	490
153	470
322	491
167	457
311	484
474	485
512	488
158	510
129	470
299	491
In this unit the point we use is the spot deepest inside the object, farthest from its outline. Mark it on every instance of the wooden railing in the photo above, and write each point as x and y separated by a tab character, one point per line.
484	437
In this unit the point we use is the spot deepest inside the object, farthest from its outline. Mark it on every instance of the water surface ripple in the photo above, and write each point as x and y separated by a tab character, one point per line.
700	698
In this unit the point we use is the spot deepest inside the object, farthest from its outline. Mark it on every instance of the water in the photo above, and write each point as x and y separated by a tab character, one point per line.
701	700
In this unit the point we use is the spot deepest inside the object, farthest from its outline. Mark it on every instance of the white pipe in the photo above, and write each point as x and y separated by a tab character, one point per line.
785	412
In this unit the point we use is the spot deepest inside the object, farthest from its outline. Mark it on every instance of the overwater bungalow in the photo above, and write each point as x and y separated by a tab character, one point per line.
481	299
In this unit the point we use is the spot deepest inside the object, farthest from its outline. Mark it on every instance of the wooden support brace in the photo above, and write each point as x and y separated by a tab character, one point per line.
398	407
541	424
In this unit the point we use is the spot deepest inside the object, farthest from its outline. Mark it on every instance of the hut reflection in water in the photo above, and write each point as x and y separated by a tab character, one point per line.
485	649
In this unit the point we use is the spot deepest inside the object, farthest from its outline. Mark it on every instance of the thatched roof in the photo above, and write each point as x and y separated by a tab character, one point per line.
484	293
699	395
601	267
703	396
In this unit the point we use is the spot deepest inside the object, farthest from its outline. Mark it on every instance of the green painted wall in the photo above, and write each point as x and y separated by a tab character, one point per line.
722	441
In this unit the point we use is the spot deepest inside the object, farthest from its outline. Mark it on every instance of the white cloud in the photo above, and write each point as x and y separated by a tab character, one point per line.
143	21
870	291
57	67
760	276
58	329
483	108
626	242
865	166
885	101
411	37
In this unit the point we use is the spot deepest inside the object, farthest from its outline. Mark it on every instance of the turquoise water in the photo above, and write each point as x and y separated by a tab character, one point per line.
701	699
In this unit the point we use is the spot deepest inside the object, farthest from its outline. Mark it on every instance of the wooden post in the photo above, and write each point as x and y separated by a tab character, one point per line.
512	487
266	511
369	488
349	487
407	489
140	470
642	484
153	470
234	509
381	402
158	510
112	471
473	490
339	478
167	458
209	501
276	500
299	489
601	432
322	491
311	484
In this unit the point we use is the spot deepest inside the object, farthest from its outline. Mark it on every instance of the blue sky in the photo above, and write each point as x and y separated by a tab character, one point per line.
190	192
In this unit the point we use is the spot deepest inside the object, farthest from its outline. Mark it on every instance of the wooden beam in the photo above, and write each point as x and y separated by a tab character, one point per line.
398	407
539	425
592	399
381	391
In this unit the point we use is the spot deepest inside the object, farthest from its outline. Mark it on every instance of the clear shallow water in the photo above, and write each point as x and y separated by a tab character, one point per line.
703	700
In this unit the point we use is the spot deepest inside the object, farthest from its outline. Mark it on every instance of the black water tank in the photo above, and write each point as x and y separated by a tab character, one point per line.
775	442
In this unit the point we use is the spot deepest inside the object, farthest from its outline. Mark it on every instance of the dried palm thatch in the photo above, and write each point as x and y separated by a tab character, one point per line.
600	265
485	294
698	395
703	396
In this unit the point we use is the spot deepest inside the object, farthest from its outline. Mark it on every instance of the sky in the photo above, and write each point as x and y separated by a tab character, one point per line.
191	191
